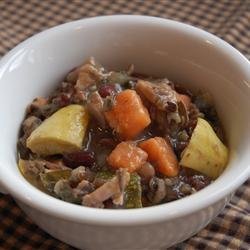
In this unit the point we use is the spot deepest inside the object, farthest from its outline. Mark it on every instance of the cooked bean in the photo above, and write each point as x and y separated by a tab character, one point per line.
171	181
80	158
186	189
106	90
157	190
147	171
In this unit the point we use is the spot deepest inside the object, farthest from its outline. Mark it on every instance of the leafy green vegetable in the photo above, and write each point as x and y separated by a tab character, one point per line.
102	177
133	192
105	175
49	179
118	77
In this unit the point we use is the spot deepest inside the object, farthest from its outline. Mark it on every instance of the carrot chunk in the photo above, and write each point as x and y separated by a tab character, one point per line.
128	117
162	156
127	155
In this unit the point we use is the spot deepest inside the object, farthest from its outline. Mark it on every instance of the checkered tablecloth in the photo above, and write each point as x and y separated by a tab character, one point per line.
228	19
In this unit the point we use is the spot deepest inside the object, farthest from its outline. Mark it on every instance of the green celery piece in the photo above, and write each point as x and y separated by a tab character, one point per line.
49	179
133	192
102	177
105	175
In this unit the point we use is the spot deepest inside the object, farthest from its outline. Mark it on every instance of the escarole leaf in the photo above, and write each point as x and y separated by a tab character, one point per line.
105	175
133	192
118	77
49	179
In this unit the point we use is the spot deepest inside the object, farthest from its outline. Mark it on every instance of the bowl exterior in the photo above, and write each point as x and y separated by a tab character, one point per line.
152	236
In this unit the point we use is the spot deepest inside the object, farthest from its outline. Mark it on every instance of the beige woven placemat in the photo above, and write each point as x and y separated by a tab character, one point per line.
228	19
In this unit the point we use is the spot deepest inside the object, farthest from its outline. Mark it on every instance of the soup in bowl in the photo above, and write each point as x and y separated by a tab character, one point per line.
193	58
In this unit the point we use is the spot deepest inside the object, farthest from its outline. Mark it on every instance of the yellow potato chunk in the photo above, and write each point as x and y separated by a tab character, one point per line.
205	152
63	132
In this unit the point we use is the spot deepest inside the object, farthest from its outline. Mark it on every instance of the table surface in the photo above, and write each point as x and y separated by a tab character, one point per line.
228	19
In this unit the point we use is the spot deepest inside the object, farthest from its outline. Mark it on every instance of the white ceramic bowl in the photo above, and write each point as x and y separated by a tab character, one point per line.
156	46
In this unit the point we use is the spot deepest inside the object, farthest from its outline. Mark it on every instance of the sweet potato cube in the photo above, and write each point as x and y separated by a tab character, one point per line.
162	156
128	117
127	155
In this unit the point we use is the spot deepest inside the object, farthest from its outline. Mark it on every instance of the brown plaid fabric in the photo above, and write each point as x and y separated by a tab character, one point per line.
228	19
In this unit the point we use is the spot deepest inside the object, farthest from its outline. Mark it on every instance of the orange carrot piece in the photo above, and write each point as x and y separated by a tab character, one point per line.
127	155
128	117
161	155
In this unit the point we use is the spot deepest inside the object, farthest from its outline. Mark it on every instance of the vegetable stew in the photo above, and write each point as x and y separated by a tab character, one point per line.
112	139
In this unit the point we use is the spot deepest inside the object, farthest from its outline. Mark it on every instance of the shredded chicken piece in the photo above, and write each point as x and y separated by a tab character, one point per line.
113	188
38	166
95	106
168	111
79	96
86	75
73	75
131	69
64	190
32	167
79	174
123	179
30	124
83	188
183	113
37	103
193	115
55	165
160	94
